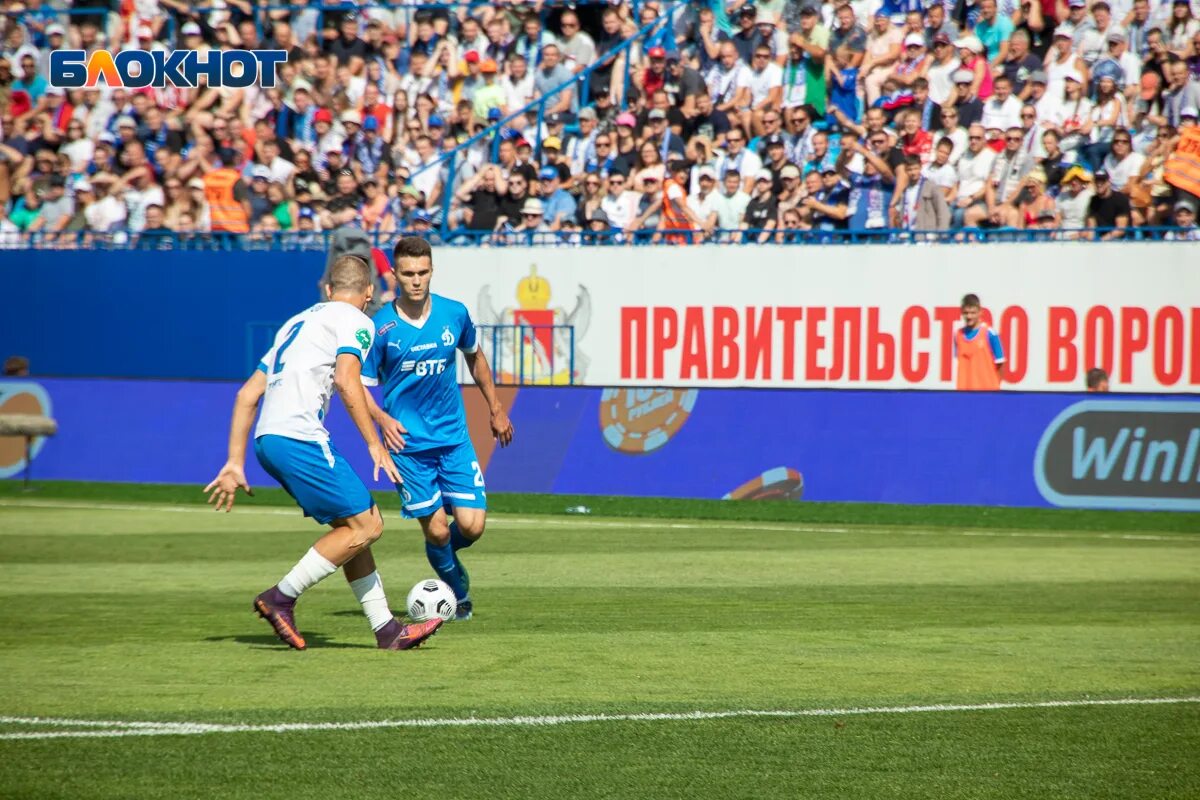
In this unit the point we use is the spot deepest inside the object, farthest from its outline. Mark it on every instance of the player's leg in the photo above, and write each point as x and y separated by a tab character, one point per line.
347	538
463	488
326	488
367	586
421	499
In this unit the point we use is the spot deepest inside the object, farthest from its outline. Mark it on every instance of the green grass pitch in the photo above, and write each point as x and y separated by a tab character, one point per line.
124	604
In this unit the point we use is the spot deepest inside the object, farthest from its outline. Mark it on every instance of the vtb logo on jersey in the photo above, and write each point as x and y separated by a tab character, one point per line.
428	366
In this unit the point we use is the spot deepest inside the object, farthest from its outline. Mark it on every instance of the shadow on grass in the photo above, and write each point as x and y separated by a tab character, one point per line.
314	639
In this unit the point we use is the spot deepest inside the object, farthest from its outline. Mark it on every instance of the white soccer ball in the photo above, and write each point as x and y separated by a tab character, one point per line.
429	599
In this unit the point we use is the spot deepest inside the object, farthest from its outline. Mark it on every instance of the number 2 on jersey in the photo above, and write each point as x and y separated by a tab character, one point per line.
291	337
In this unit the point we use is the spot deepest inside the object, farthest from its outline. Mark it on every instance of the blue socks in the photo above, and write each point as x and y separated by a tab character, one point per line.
457	540
444	564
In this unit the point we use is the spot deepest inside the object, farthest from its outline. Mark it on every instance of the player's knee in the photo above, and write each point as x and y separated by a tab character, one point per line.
472	527
366	528
436	530
438	538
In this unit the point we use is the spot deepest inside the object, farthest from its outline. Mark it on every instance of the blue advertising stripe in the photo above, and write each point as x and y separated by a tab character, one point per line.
881	446
204	317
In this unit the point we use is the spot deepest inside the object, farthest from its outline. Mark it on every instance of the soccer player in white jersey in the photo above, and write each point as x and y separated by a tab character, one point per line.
423	420
315	352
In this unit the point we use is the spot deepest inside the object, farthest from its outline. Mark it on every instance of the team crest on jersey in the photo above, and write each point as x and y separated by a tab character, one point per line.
447	336
364	338
543	356
387	327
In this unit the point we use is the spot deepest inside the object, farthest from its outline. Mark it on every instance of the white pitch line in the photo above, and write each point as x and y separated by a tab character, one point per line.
122	729
501	520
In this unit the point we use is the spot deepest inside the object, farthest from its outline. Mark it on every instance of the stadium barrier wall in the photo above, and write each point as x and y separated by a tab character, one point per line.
870	316
1014	448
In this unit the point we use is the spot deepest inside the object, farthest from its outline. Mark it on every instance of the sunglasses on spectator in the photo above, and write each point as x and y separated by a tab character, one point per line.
592	183
1122	141
799	120
975	138
569	25
733	139
1014	138
603	144
530	216
1028	115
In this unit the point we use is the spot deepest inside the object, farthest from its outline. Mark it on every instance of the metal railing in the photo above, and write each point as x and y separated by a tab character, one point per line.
527	354
319	241
576	82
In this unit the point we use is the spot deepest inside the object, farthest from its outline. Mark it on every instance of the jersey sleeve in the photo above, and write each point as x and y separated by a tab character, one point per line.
370	366
997	347
354	332
265	360
468	340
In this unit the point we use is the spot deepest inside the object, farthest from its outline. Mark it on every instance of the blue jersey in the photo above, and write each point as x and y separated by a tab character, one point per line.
416	367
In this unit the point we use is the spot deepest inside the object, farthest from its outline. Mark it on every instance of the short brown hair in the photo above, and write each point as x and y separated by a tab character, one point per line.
16	365
970	301
349	274
412	247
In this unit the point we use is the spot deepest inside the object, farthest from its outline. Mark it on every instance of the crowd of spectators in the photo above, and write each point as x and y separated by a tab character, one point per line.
661	122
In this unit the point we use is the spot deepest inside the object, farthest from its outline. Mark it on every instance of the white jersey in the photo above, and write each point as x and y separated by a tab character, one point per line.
299	368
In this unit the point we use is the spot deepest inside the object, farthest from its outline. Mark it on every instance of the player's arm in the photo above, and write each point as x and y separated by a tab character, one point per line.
347	379
223	489
481	371
997	348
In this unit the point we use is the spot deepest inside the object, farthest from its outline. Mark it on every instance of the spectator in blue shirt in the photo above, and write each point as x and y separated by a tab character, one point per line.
559	204
994	31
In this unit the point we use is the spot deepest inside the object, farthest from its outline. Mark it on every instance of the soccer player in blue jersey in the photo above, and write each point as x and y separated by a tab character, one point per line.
316	352
423	420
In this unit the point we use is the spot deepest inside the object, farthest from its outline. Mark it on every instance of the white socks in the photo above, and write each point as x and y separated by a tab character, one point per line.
369	591
308	572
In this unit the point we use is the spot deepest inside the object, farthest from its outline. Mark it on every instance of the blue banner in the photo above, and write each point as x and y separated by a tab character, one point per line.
145	313
1013	449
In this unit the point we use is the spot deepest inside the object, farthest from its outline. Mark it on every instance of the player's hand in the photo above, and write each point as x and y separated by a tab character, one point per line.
502	427
383	461
393	433
223	489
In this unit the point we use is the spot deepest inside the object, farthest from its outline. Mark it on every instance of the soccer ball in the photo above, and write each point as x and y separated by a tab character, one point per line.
429	599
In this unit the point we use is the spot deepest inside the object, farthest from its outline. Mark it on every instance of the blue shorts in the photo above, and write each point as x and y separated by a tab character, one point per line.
315	475
439	476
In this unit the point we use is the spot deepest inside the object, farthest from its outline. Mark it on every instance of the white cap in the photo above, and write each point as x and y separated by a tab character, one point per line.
54	29
914	40
1073	75
261	171
763	175
971	43
83	186
764	17
144	32
351	116
191	29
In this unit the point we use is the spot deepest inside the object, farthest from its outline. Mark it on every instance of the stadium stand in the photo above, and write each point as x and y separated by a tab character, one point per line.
611	123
